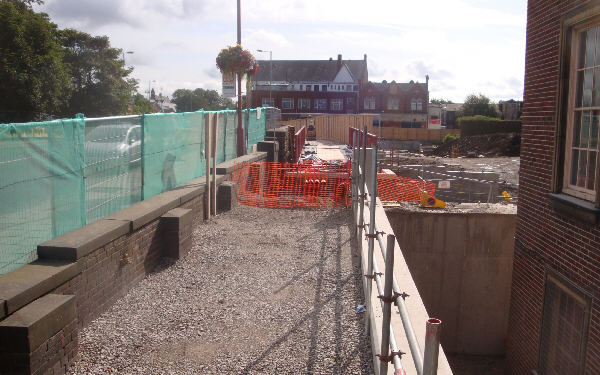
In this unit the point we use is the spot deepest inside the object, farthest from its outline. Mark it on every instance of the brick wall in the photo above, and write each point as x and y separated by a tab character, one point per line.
546	239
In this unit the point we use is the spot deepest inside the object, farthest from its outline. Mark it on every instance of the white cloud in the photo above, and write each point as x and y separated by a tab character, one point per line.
465	46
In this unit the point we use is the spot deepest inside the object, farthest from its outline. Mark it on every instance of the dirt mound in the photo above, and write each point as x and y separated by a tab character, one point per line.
488	145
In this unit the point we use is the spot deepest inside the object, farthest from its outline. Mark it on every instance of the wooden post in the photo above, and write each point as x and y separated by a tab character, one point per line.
207	153
213	187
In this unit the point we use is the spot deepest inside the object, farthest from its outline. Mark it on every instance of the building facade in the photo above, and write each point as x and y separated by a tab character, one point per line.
399	104
310	86
554	323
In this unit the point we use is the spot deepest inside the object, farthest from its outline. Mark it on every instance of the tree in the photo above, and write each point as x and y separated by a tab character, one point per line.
98	75
479	105
34	80
141	105
441	101
188	100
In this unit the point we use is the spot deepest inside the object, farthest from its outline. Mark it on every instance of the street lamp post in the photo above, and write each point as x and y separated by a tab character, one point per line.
129	53
241	141
270	73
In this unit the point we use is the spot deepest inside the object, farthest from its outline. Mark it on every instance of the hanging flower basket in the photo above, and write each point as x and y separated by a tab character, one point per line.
237	60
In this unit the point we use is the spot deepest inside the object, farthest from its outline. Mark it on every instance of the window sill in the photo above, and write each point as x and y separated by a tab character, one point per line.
575	208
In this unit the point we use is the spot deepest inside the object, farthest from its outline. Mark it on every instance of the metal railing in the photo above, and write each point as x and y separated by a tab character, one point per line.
388	290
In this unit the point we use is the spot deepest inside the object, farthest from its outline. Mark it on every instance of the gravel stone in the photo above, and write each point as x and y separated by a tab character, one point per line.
263	291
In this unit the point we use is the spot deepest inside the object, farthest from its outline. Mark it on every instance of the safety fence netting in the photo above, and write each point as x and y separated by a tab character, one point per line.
56	176
291	185
392	188
311	184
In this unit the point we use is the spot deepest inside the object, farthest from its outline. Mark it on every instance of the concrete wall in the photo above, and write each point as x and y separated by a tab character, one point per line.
462	265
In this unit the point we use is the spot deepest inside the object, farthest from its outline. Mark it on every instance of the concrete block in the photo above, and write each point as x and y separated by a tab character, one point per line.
227	167
28	328
176	225
25	284
271	148
147	210
81	241
227	196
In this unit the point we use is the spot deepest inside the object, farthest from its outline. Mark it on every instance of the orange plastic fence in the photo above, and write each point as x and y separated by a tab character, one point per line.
314	185
288	185
402	189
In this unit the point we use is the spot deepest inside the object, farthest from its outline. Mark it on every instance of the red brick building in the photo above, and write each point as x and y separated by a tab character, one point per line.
400	104
310	86
554	324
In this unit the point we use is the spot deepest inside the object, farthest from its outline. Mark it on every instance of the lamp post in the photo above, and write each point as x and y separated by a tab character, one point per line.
149	88
128	52
270	73
241	141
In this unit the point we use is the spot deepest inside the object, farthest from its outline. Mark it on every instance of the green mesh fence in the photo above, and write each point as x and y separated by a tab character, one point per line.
58	175
41	186
113	168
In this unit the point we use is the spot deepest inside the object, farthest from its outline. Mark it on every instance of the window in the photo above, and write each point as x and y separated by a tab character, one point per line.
287	103
350	101
413	105
337	104
564	328
268	102
348	87
323	87
301	87
393	103
369	102
355	87
583	113
308	87
316	88
419	105
320	103
303	103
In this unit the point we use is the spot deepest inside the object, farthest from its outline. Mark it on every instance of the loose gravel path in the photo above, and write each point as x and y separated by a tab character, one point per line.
263	291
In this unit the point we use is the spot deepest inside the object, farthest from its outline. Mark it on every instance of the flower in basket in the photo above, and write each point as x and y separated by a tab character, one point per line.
237	60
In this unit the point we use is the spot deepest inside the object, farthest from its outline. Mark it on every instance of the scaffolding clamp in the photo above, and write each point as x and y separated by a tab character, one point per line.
390	358
371	277
362	226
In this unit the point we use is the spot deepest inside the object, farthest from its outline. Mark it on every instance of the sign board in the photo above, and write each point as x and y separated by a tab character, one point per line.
229	85
444	185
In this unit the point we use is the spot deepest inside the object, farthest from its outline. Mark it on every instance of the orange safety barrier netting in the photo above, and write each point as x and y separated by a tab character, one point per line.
288	185
402	189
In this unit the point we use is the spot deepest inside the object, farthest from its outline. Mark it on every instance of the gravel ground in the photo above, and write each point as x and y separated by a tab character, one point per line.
262	291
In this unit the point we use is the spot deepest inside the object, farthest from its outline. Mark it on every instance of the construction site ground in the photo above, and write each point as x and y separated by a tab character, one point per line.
262	291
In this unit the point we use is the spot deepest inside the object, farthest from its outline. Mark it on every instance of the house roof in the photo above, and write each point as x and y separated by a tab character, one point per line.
307	70
404	86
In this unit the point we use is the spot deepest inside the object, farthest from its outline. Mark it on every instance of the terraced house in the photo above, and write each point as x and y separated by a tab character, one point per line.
310	86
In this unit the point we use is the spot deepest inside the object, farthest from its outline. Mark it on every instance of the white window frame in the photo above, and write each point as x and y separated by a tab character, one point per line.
268	102
393	104
337	104
369	102
572	110
419	105
303	103
320	103
413	104
287	103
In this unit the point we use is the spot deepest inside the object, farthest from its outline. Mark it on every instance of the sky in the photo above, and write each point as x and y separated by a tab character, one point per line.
465	46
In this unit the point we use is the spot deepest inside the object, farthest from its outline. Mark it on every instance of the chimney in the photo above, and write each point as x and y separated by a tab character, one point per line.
339	63
427	79
365	57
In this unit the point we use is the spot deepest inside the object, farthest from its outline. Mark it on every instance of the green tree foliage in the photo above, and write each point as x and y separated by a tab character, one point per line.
441	101
98	75
188	100
34	81
141	105
479	105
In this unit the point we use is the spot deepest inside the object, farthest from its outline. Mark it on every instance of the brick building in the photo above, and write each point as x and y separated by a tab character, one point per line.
554	324
400	104
310	86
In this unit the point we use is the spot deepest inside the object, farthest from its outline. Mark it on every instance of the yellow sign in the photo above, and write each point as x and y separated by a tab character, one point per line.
429	201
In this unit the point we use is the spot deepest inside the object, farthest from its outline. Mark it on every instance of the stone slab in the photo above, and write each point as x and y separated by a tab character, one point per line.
227	167
25	284
29	327
81	241
147	210
181	216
